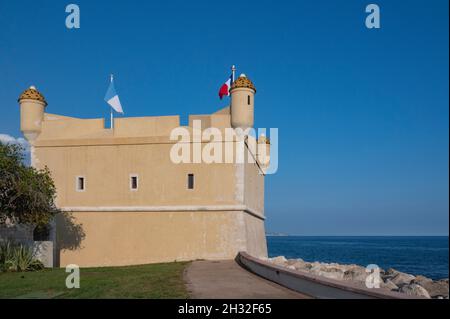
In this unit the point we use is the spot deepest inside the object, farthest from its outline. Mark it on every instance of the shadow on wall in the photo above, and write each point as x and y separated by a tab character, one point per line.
69	234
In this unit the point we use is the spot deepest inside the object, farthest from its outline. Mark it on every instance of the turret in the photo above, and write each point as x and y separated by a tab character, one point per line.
32	105
242	102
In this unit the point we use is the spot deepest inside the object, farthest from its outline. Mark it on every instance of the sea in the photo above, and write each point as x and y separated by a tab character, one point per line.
426	256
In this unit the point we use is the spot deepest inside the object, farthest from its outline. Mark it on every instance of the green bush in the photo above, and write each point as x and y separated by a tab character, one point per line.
18	257
27	195
6	256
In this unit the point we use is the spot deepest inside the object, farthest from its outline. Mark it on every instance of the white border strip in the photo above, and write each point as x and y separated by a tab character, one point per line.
178	208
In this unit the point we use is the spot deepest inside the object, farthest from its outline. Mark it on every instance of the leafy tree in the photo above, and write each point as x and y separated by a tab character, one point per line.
27	195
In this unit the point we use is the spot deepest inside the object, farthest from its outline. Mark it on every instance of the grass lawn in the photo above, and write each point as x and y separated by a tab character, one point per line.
145	281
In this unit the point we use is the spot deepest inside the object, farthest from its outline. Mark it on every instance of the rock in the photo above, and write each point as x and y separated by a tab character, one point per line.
308	266
391	279
389	274
332	271
294	261
356	274
434	288
280	260
301	265
422	279
315	265
401	279
389	285
415	290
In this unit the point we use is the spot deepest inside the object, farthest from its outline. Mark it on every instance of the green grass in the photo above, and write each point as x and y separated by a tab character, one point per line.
144	281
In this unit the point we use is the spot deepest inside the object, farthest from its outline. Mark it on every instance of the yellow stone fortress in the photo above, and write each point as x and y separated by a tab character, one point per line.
133	203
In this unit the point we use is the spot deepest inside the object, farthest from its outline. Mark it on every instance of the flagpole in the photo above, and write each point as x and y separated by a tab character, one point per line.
233	73
112	114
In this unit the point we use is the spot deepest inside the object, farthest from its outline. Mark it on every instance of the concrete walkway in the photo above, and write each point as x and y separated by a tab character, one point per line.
226	279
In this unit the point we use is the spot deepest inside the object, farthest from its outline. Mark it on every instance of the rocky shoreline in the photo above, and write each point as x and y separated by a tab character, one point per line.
391	279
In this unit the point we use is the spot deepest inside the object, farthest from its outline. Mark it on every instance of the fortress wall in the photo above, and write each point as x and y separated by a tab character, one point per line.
107	170
220	120
255	236
207	222
54	117
205	121
59	128
145	126
131	238
254	199
254	187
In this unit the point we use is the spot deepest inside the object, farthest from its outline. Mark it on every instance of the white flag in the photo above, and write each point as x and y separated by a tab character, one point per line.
112	98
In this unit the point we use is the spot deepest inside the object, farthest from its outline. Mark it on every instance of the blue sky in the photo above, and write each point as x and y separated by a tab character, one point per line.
362	114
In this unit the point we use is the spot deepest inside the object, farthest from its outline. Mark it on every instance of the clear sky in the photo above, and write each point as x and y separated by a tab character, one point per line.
363	115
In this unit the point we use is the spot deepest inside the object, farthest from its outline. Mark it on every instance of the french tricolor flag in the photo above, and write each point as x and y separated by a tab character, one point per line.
225	88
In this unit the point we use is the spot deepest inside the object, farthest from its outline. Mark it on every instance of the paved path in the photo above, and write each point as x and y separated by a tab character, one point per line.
226	279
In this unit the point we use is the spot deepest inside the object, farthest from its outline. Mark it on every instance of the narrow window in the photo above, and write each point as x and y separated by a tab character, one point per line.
190	181
133	182
248	99
80	184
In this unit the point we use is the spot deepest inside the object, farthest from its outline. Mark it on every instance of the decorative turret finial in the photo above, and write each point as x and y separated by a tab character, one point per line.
243	82
32	94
